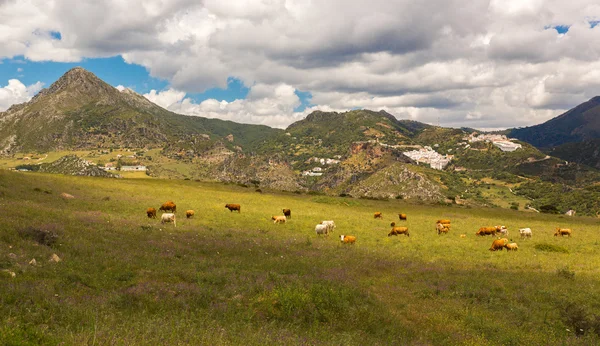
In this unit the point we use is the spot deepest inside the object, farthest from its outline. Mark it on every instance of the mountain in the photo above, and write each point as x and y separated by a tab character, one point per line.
573	136
80	111
579	124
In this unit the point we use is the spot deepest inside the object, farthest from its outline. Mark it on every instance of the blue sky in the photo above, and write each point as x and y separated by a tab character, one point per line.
115	71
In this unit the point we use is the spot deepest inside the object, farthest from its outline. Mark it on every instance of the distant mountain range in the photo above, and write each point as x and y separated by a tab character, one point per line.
358	153
572	136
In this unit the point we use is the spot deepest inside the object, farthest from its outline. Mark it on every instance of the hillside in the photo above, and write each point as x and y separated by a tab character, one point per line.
223	278
576	125
80	111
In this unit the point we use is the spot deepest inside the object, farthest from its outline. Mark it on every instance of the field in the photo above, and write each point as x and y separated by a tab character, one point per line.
225	278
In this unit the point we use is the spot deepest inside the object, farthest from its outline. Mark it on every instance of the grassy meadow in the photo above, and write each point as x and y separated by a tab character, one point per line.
224	278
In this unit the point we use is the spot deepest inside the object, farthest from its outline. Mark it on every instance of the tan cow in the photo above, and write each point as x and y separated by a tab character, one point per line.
562	232
398	231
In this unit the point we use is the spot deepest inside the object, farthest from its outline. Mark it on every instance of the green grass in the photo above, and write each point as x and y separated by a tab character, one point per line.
229	278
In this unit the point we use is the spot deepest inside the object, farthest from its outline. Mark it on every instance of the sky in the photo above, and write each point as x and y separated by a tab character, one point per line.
489	64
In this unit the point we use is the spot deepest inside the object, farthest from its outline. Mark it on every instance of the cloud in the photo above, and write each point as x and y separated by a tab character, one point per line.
271	105
16	92
480	63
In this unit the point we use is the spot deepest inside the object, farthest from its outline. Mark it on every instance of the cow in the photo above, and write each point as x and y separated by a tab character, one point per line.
562	232
511	247
168	217
233	207
287	213
488	230
189	213
348	239
279	219
441	228
168	206
498	244
525	232
322	229
402	217
443	221
330	225
378	215
398	231
151	212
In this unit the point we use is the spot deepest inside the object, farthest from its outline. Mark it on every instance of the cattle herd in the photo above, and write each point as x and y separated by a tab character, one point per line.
442	226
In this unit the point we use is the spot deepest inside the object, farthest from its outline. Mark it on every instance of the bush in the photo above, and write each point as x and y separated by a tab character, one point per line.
514	206
47	236
550	248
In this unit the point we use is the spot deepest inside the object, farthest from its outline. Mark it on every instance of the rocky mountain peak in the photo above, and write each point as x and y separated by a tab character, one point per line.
80	81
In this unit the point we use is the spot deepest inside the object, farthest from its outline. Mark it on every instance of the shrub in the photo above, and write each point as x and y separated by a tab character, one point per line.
550	248
514	206
47	236
566	273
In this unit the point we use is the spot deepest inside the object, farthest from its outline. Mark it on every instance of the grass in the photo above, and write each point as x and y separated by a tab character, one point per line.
229	278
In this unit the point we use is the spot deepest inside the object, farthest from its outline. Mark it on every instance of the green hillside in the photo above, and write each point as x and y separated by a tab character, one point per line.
228	278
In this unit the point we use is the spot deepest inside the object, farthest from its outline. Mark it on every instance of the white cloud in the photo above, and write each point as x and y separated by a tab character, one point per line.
16	92
482	63
271	105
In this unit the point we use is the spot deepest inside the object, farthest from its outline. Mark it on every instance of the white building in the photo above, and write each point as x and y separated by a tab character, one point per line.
429	156
133	168
507	145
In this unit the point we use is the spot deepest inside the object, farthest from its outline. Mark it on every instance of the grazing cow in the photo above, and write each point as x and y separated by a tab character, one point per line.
402	216
287	213
151	212
348	239
330	225
441	228
398	231
503	230
392	224
488	231
279	219
562	232
511	247
525	232
498	244
233	207
168	206
378	215
168	217
322	229
189	213
463	235
443	221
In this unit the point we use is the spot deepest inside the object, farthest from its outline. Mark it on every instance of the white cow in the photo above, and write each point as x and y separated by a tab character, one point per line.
330	225
503	230
525	232
168	217
322	229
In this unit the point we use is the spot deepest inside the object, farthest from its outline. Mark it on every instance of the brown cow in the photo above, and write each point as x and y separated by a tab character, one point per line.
287	213
233	207
348	239
168	206
278	219
511	247
488	230
562	232
402	216
189	213
398	231
443	221
378	215
498	244
151	212
441	228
